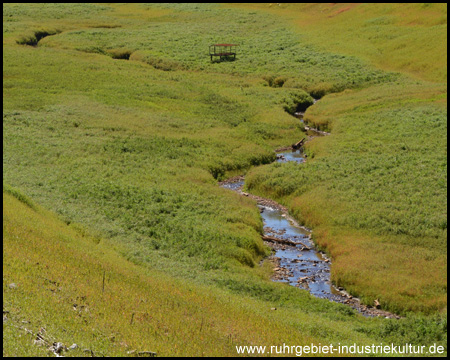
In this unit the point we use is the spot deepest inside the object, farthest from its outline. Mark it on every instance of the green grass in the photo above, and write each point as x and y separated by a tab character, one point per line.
375	191
156	134
274	49
118	122
410	38
58	271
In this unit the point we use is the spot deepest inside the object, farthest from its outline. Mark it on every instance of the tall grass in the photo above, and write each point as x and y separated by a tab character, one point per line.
381	175
74	288
410	38
132	151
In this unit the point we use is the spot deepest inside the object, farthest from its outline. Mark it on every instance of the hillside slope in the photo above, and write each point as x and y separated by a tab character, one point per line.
61	284
116	121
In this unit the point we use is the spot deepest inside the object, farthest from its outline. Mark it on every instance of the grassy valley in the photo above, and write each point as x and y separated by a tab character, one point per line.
117	128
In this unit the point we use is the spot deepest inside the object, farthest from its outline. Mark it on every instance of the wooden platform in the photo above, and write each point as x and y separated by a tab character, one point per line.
223	51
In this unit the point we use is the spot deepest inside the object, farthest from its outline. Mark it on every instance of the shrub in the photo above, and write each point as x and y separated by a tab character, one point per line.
120	53
269	79
294	84
297	100
279	81
275	81
319	90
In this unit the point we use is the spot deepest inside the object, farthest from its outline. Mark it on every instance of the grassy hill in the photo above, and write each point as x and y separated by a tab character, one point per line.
65	285
118	124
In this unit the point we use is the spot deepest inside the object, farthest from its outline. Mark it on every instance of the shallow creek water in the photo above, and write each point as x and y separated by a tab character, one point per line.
300	264
296	156
297	260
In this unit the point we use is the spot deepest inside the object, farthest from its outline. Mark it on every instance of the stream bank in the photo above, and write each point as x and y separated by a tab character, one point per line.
296	259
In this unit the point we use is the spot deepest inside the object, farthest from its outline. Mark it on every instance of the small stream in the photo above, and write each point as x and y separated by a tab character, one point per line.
299	264
296	258
294	155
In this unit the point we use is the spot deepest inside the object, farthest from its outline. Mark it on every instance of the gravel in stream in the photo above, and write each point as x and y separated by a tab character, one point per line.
299	265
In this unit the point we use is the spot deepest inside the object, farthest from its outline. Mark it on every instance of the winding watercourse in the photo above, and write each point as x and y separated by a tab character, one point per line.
296	258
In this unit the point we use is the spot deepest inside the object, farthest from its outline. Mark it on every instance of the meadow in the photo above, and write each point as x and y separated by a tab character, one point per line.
116	122
74	289
375	193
